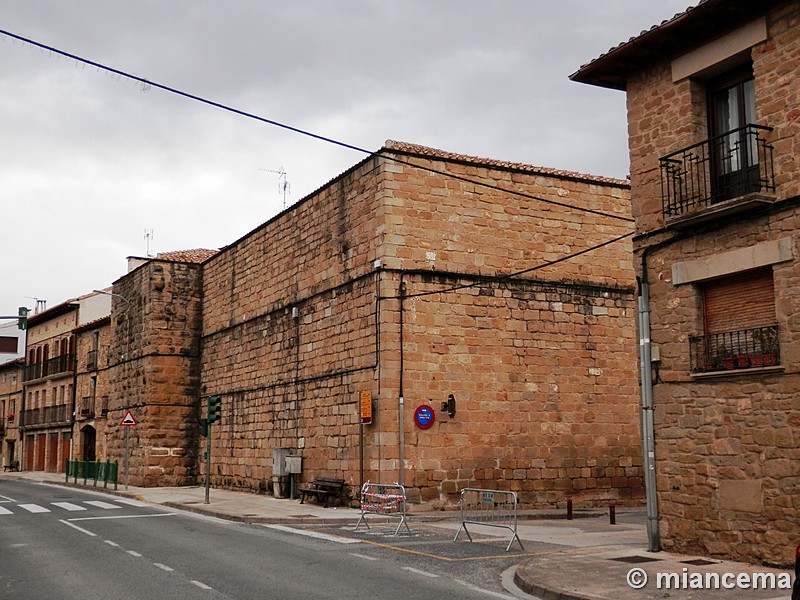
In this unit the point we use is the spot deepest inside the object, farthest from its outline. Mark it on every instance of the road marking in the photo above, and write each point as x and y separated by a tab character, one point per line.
364	556
134	553
81	529
34	508
101	504
68	506
163	567
5	511
314	534
475	588
122	517
131	502
110	543
7	499
201	585
420	572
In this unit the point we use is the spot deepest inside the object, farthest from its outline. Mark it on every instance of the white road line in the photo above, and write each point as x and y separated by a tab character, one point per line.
110	543
5	511
131	502
134	553
201	585
34	508
81	529
314	534
7	499
163	567
420	572
101	504
364	556
68	506
475	588
123	517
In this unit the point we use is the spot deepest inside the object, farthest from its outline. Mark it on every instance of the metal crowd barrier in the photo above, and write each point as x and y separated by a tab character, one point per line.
492	508
383	499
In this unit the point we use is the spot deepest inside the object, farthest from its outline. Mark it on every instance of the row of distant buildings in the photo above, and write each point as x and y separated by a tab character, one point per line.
511	302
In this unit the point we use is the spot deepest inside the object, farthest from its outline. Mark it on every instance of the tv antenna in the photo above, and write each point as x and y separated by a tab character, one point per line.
283	184
148	235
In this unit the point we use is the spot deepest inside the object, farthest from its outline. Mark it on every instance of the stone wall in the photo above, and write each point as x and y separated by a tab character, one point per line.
303	314
154	371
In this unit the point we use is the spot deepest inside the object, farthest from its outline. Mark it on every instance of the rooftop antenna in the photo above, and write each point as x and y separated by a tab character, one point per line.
148	235
283	184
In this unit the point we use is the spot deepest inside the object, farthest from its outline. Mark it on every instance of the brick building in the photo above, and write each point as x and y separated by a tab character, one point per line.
11	373
48	402
713	99
414	276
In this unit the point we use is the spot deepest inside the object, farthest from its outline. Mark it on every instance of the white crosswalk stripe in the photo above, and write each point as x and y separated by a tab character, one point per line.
101	504
77	506
68	506
34	508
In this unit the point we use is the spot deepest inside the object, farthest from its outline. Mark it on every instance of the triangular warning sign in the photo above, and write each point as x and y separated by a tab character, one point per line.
128	420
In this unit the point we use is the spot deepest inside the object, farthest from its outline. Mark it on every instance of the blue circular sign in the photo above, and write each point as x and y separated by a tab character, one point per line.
424	416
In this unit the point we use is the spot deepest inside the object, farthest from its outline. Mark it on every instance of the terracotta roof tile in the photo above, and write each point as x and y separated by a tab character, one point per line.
196	255
489	162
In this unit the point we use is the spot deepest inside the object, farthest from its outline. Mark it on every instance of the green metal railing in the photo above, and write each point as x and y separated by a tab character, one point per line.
94	471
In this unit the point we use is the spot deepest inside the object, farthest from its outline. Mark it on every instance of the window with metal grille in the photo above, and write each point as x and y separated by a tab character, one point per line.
740	329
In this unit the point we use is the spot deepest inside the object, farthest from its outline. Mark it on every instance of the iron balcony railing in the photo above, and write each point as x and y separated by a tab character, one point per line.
742	349
91	360
45	416
731	165
54	366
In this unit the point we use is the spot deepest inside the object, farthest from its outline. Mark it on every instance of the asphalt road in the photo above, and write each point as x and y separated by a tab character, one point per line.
64	544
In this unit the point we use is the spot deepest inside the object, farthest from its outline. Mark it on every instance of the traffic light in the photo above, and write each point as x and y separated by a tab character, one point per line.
214	409
202	425
22	322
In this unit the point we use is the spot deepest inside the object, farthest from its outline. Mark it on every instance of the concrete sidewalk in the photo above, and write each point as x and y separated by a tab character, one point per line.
585	558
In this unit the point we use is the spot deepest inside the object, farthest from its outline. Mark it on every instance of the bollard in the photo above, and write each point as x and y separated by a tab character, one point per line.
569	509
612	514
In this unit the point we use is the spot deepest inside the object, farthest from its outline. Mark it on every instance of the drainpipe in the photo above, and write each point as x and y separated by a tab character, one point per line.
648	435
400	399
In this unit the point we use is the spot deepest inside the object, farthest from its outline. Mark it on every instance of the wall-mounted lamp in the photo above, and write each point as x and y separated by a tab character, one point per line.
450	406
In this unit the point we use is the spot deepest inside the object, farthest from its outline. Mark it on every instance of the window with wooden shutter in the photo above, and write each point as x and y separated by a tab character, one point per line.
740	329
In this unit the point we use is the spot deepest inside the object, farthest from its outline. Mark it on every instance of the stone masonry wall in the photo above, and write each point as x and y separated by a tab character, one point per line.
726	451
156	376
299	319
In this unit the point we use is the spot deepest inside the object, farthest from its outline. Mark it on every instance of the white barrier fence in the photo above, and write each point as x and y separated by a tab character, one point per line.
383	499
492	508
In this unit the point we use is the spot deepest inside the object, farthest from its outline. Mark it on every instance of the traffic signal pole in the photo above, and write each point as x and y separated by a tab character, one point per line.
213	408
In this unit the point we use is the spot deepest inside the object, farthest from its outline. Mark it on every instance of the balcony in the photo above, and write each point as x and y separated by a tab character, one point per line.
724	175
86	410
733	350
47	415
91	360
55	366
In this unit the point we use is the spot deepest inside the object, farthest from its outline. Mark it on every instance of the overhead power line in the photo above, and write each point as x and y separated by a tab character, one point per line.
148	84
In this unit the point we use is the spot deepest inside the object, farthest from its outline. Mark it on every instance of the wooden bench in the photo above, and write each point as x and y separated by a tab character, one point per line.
323	488
12	466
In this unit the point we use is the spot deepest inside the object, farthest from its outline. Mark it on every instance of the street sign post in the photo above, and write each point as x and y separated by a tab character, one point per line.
127	422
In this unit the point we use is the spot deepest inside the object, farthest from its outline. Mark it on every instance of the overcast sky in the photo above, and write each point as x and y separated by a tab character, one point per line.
89	161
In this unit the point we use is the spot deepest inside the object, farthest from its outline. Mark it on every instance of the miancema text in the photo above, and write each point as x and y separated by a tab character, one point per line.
726	581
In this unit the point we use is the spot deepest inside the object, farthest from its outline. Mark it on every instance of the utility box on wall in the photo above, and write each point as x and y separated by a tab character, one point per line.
279	456
293	465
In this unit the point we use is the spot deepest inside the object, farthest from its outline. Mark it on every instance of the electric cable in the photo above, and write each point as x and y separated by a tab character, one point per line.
297	130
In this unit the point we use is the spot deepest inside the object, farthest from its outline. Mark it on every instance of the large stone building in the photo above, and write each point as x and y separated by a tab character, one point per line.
713	105
415	276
